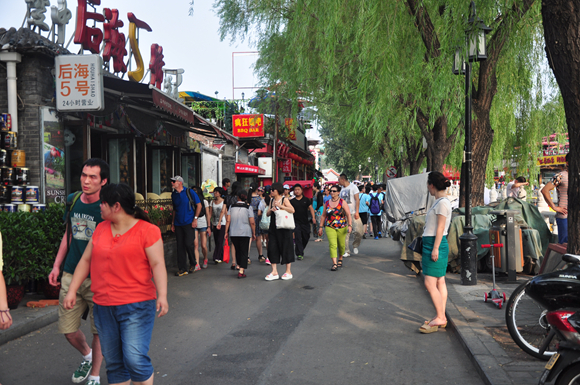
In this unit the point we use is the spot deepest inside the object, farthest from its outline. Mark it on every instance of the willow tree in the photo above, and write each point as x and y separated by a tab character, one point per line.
562	33
376	63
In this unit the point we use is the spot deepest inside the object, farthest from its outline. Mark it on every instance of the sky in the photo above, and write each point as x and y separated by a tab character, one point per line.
189	42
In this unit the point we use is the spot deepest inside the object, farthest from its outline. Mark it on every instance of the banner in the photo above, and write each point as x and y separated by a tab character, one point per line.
53	144
551	160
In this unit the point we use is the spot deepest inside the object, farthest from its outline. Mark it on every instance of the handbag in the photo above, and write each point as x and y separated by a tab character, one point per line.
226	258
416	245
265	222
284	220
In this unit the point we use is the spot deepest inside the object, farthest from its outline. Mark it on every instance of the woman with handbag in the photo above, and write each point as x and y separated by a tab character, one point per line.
241	228
217	213
280	244
337	221
436	250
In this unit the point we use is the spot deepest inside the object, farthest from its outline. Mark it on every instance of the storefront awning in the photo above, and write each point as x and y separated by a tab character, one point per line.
247	169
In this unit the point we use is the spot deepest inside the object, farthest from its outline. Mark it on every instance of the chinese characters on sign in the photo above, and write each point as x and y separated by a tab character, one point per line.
552	160
248	126
114	41
286	166
289	122
89	38
79	83
156	65
248	169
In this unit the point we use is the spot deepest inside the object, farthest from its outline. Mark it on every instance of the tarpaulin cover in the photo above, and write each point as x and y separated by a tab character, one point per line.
406	195
535	240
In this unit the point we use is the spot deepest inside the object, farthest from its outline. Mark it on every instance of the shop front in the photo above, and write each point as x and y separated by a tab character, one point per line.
247	174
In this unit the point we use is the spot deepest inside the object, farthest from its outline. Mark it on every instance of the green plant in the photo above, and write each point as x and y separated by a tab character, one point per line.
30	242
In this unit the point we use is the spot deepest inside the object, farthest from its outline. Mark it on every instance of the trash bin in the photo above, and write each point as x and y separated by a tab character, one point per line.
505	230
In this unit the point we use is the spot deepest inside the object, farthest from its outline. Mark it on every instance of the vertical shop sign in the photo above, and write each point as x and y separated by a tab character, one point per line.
79	83
286	166
289	123
53	144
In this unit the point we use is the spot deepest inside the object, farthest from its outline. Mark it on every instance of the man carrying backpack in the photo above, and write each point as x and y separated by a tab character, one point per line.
82	215
375	205
186	210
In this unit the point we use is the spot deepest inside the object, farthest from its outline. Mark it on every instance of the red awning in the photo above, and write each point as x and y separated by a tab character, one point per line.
247	169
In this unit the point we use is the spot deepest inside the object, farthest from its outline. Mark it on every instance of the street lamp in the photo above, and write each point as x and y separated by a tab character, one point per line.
476	51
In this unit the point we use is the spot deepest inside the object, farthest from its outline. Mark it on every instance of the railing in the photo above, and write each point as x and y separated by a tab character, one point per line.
160	212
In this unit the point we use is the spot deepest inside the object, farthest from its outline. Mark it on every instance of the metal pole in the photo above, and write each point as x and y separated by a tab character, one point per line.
274	161
468	239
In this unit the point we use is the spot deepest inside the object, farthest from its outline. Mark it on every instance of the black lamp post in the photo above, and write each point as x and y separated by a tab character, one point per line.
476	51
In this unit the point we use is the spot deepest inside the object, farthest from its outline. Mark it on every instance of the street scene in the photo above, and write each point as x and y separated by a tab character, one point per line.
290	192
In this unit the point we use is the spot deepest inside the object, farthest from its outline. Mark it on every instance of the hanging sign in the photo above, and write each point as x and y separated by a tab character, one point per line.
286	166
289	122
248	169
79	83
551	160
248	126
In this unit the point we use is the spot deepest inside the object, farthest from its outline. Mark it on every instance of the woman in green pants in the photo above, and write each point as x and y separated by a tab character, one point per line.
338	223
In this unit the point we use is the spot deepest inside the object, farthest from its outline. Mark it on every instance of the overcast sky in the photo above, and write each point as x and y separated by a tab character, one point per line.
189	42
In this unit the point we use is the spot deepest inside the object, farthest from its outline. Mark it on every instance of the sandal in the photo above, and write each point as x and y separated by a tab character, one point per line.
426	329
334	267
441	326
233	267
339	263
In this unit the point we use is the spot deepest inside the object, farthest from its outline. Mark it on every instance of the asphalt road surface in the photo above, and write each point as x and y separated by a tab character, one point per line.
358	325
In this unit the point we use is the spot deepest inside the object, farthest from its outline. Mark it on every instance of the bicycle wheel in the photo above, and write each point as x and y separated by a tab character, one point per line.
527	324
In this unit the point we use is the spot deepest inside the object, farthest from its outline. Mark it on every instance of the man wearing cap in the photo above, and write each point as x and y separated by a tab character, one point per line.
302	206
186	209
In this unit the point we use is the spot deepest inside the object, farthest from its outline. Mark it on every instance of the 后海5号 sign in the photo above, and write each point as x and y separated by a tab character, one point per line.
79	83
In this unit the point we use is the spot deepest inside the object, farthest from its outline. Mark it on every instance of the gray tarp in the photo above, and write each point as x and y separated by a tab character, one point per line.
535	240
406	195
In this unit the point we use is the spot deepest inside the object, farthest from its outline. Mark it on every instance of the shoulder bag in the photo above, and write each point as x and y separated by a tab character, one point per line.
284	220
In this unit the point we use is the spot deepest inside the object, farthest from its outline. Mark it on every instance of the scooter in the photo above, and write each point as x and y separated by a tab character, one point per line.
559	293
497	299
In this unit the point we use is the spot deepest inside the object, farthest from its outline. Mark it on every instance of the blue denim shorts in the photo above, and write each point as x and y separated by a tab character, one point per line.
562	230
125	333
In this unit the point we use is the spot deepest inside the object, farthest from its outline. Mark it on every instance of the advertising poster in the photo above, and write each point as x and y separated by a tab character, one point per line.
53	157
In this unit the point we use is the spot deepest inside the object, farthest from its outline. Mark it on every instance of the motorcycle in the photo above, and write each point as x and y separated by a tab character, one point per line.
559	293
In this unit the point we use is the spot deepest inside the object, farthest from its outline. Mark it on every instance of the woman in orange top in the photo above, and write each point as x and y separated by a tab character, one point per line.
125	252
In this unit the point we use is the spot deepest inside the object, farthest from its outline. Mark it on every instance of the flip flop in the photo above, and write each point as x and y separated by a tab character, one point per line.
441	326
426	329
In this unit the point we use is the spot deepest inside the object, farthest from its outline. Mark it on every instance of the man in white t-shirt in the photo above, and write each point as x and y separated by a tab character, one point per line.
349	194
513	188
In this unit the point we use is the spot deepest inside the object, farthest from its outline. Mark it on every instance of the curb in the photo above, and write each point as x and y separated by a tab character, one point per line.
27	320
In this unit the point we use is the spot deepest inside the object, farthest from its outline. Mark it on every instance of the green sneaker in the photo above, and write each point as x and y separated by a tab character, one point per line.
300	257
82	372
93	382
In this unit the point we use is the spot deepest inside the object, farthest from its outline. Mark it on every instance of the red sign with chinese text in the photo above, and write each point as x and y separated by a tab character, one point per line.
286	166
247	169
289	122
248	126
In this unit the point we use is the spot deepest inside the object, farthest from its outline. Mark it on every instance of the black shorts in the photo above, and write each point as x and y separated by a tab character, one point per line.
364	217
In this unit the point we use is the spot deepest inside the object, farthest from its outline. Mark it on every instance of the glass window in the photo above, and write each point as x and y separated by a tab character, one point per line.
120	160
190	169
161	168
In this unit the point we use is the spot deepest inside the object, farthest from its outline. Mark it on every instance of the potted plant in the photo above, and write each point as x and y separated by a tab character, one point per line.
30	244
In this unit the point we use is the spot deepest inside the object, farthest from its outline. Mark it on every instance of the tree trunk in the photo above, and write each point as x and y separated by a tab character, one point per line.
561	20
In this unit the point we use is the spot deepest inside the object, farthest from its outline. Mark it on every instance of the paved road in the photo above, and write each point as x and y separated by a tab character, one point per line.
355	326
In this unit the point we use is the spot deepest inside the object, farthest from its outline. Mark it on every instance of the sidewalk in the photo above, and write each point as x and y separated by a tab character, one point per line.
482	330
27	319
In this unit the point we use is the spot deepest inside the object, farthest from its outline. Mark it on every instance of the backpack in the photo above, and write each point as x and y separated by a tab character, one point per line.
192	202
375	204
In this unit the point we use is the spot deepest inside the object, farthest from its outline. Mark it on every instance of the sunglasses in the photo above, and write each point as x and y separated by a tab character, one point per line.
333	190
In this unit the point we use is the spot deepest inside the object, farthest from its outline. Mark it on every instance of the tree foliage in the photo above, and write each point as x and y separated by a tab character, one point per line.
383	70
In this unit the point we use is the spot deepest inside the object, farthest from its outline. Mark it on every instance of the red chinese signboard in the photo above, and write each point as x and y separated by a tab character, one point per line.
289	122
286	166
551	160
248	126
247	169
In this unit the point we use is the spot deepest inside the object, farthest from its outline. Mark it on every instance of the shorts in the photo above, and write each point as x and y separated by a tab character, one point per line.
364	217
201	229
69	321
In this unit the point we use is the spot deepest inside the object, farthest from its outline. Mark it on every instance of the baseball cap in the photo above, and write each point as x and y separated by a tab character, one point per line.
177	178
286	187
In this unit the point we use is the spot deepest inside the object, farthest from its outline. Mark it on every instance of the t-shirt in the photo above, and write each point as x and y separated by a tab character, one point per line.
442	206
301	209
348	194
326	198
120	270
202	221
512	191
215	213
184	214
380	197
83	220
561	182
240	215
365	201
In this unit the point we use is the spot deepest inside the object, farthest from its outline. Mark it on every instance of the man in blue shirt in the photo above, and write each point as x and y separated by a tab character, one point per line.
186	209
